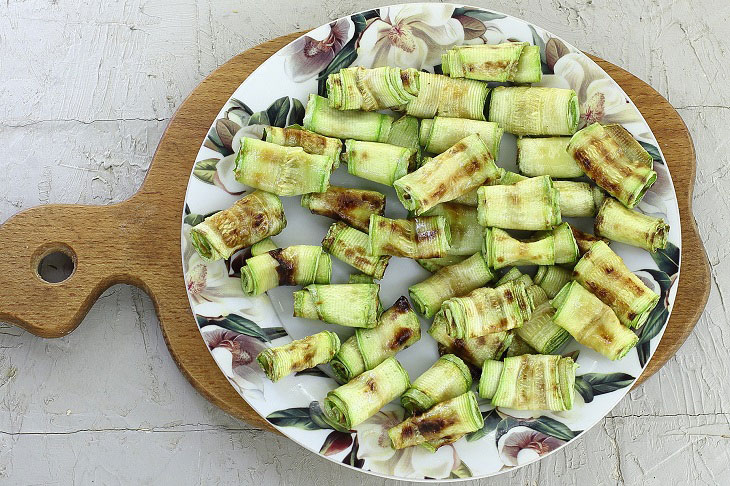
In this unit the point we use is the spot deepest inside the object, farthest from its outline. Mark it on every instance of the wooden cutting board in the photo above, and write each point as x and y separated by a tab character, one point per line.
138	241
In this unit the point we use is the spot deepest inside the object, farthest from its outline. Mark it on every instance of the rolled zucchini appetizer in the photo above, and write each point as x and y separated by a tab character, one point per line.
506	178
351	246
552	278
447	378
295	265
551	248
535	110
618	223
531	204
350	305
361	398
585	240
530	382
436	264
475	350
541	333
454	417
404	133
251	219
537	156
466	234
614	160
578	199
263	246
485	311
360	278
452	281
378	162
348	362
462	168
508	61
605	274
319	117
298	355
441	133
514	274
353	206
519	347
591	322
423	237
371	89
284	171
444	96
312	143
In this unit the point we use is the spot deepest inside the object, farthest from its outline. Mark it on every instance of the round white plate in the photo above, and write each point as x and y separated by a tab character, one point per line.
236	327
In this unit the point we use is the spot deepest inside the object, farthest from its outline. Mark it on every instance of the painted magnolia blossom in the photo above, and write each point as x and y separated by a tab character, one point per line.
600	99
236	354
409	36
521	445
311	53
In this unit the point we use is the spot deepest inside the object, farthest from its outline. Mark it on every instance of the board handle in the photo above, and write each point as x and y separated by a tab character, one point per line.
103	243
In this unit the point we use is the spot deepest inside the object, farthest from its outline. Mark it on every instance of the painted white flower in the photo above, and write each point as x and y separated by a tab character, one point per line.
235	354
600	98
409	36
521	445
311	53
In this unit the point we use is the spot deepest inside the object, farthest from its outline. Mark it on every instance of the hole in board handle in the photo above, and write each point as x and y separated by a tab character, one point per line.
54	263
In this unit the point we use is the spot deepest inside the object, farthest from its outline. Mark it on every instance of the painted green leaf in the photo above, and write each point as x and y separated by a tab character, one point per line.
347	54
537	40
477	14
654	324
274	332
205	170
543	424
335	443
226	130
462	471
293	417
319	418
193	219
592	384
241	325
278	112
584	388
240	104
296	117
259	118
491	419
667	259
653	151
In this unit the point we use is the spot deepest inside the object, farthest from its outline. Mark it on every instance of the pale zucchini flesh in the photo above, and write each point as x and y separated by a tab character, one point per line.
619	223
298	355
352	206
350	305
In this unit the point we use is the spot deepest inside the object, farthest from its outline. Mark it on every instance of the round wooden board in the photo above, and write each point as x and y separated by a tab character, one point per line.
138	241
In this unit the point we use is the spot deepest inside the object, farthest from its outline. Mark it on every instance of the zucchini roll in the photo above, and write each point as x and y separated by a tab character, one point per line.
530	382
251	219
578	199
552	278
284	171
295	265
436	264
361	125
540	332
447	378
508	61
353	206
485	311
361	398
610	156
532	204
514	274
312	143
585	240
263	246
404	133
439	134
378	162
591	322
616	222
466	234
475	350
351	305
554	247
605	274
397	329
426	237
371	89
351	246
462	168
444	96
360	278
452	281
546	156
506	178
298	355
519	347
454	417
535	110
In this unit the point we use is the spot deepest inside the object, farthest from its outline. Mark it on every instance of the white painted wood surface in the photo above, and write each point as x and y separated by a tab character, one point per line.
86	90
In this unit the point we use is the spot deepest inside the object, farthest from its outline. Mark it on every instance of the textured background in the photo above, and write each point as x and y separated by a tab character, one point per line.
86	90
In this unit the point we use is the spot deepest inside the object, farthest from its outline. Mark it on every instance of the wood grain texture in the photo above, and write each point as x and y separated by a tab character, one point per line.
137	241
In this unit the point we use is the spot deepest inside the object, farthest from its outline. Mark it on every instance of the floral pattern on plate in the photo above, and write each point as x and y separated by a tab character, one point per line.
235	327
